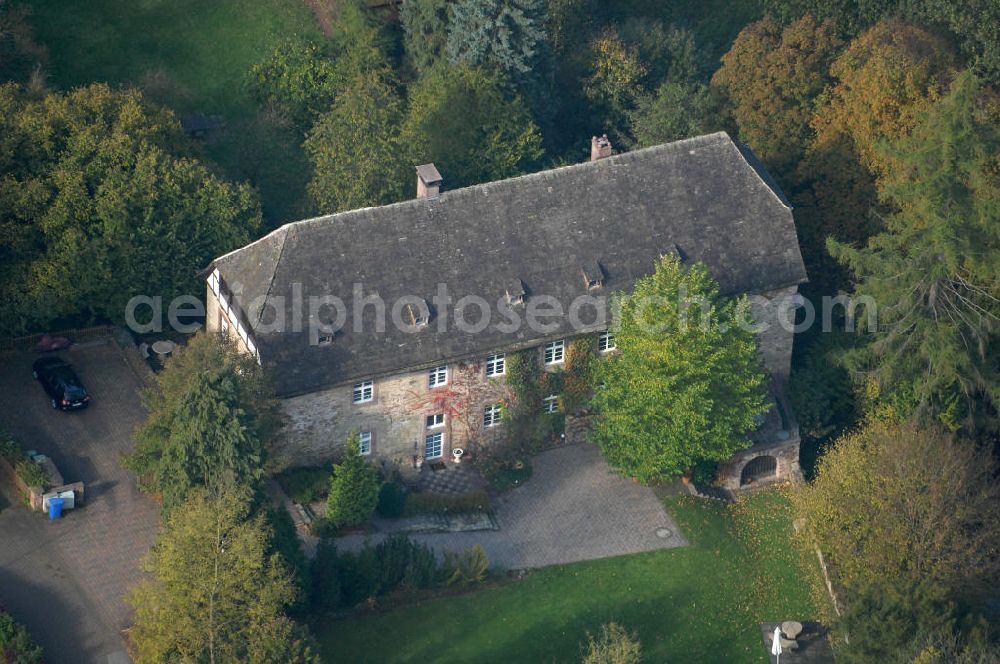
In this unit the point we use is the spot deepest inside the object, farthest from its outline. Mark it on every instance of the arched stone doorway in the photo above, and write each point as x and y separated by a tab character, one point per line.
759	469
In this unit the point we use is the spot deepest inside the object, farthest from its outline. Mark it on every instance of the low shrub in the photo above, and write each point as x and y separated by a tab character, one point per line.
27	469
305	484
405	563
32	473
391	500
438	503
468	567
397	563
504	475
614	645
16	644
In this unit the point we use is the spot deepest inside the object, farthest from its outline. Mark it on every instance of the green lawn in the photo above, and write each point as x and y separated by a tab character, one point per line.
205	48
701	603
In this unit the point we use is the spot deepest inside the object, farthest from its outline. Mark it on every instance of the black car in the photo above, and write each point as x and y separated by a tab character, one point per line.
61	383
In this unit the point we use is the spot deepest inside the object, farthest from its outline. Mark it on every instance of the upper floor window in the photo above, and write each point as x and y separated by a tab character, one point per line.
606	342
496	365
550	404
555	351
365	442
364	391
435	421
491	415
437	376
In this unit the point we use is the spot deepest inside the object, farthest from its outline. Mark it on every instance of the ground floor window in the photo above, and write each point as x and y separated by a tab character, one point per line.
434	445
365	442
550	404
491	415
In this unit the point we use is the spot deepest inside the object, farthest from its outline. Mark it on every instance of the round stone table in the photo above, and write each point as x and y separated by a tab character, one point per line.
791	629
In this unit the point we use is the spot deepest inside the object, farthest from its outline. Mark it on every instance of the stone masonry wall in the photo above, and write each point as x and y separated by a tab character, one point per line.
318	424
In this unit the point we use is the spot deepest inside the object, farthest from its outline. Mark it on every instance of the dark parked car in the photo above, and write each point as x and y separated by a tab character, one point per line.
61	383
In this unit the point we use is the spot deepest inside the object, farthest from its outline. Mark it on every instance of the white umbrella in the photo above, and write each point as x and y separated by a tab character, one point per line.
776	644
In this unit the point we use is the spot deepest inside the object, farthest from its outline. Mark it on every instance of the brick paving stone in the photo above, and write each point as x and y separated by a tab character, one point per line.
573	508
66	580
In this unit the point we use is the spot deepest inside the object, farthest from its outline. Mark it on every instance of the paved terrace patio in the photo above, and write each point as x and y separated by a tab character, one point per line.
573	508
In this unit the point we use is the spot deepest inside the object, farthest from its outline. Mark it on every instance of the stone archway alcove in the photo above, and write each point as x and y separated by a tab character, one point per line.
759	468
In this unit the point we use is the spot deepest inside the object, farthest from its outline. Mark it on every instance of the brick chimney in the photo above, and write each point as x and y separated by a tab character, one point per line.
428	181
600	147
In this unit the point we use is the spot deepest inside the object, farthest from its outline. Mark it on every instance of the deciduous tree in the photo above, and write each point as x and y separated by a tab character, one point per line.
686	383
100	201
472	125
677	110
355	147
214	594
885	80
770	80
908	503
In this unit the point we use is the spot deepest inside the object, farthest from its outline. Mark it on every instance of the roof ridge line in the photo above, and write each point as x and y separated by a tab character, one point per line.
674	145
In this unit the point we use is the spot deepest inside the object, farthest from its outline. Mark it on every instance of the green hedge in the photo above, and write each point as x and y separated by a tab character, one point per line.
438	503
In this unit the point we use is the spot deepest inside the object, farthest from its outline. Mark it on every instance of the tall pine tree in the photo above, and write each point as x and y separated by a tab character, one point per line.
935	271
211	417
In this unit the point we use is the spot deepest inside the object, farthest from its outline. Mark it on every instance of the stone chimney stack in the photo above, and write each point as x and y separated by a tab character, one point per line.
600	147
428	181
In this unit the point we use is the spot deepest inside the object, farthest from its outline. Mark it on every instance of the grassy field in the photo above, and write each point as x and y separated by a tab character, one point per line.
193	55
701	603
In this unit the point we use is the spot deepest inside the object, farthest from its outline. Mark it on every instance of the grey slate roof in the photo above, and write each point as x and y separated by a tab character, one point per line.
704	198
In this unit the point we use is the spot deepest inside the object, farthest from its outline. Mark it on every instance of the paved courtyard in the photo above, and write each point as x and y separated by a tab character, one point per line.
573	508
66	579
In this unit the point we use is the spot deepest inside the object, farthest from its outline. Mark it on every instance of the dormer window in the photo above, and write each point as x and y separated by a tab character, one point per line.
416	315
515	293
593	275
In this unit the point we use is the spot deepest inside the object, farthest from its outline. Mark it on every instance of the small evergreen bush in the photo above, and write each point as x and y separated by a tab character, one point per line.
354	488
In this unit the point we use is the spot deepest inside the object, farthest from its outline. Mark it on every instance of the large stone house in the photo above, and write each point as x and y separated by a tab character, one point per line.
347	310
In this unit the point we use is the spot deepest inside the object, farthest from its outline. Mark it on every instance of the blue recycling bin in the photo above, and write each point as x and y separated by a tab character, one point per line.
55	508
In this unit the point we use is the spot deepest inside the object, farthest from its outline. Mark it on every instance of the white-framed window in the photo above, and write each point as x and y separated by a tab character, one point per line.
496	365
550	404
436	420
434	445
364	391
437	376
555	351
491	415
365	442
606	342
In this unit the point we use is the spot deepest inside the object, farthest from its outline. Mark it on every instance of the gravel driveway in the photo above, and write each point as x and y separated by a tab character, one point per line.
66	580
573	508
